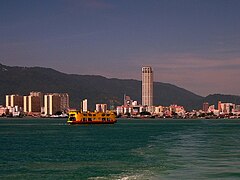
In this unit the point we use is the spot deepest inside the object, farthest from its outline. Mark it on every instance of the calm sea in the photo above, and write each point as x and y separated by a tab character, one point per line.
129	149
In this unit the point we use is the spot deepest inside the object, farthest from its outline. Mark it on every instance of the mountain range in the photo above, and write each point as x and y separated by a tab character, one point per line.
97	89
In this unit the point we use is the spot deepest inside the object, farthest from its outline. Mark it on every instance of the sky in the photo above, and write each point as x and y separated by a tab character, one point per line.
194	44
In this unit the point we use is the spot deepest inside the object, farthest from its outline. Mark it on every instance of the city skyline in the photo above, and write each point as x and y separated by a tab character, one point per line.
189	43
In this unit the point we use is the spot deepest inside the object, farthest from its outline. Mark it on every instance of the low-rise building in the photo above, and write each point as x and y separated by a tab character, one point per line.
226	108
101	108
3	111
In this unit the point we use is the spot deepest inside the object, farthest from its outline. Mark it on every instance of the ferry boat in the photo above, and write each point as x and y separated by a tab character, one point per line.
78	117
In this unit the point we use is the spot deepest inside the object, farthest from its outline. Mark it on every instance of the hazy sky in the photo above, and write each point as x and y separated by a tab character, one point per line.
194	44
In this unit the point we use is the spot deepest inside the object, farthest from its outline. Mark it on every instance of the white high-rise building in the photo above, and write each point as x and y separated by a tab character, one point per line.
147	86
84	105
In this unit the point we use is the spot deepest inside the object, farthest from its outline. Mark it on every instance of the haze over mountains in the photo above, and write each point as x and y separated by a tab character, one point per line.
97	89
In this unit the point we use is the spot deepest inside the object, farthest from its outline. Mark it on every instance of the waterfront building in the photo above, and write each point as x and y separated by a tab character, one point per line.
31	104
237	108
3	111
101	108
211	108
25	104
14	111
147	86
175	109
134	103
205	106
55	102
136	109
219	106
127	110
226	108
14	100
64	101
119	110
40	95
84	105
127	100
51	104
129	107
158	111
130	110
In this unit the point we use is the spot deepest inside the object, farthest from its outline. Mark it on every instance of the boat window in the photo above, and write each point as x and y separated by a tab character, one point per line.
103	119
89	119
72	118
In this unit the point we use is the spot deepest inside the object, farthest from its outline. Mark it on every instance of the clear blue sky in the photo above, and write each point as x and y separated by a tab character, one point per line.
194	44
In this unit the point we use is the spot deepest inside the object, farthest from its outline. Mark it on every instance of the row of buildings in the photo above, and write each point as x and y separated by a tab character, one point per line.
42	104
133	109
47	104
36	104
223	109
99	107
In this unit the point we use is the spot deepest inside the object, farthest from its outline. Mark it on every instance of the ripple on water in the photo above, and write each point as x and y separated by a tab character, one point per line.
127	150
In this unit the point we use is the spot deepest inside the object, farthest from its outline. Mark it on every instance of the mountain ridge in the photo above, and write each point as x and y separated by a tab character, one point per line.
96	88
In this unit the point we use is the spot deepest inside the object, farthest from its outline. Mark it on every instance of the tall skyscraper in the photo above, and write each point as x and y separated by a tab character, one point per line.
147	86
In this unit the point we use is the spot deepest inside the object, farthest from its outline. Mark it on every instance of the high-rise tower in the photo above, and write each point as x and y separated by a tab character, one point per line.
147	86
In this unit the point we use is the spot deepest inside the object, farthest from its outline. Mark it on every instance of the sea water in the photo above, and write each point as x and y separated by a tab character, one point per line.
129	149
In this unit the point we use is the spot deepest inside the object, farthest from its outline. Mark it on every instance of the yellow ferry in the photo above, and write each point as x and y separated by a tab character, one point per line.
78	117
